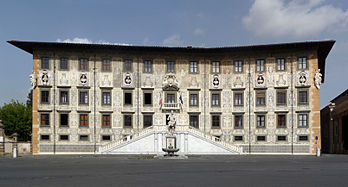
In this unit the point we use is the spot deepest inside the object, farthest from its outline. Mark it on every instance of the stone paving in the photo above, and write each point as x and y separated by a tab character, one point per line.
117	170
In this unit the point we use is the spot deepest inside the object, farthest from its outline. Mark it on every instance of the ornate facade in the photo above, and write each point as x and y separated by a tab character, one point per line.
94	98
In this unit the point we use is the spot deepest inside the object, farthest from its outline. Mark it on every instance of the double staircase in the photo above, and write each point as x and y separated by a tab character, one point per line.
109	148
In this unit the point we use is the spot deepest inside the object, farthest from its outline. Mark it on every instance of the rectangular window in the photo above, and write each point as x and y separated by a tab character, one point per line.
238	138
215	121
238	99
83	64
260	121
106	120
193	67
238	121
302	97
280	64
147	98
128	65
238	66
147	66
45	97
45	120
45	137
302	120
83	97
64	63
106	65
281	138
303	138
194	121
215	65
83	120
83	137
260	65
281	97
302	63
281	121
215	99
45	63
260	98
128	98
127	121
261	138
193	99
147	121
106	97
170	66
64	97
64	120
64	137
106	137
171	98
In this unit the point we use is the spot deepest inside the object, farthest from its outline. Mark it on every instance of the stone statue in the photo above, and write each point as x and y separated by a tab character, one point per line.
171	122
32	80
317	78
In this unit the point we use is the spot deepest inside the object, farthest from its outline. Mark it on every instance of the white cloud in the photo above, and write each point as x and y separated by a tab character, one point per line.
198	32
88	41
75	40
174	40
296	18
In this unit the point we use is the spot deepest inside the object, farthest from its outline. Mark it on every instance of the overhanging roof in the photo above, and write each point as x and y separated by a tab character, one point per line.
323	48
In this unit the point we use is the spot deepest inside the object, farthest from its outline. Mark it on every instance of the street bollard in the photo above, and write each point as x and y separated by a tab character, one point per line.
14	153
318	152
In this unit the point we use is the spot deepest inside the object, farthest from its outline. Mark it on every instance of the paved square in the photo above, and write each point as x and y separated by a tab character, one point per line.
250	170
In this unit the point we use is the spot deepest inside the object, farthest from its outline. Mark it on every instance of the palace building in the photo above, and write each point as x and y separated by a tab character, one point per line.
115	99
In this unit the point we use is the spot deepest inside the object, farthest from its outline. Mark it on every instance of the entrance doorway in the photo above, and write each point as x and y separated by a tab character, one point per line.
345	132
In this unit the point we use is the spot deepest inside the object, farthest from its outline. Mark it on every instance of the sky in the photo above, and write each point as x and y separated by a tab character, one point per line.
201	23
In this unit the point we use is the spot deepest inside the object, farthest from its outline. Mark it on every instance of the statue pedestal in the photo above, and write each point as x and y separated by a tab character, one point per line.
170	148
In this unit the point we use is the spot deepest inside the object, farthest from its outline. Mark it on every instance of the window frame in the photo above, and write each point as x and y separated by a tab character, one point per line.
124	121
43	64
218	99
106	120
258	138
238	66
60	97
238	101
194	67
60	137
257	98
60	120
216	67
302	136
48	96
148	67
103	139
260	68
238	118
191	117
278	138
193	99
300	65
259	123
109	100
238	140
281	64
151	98
278	98
83	135
128	65
84	121
125	102
300	120
170	64
47	120
61	61
212	121
42	139
106	65
299	97
84	103
83	64
149	116
281	123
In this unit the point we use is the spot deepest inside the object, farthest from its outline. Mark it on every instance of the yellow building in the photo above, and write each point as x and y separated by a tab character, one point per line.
114	99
